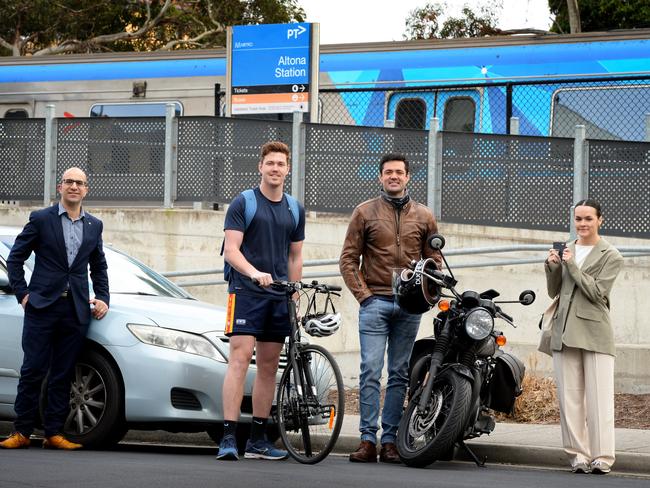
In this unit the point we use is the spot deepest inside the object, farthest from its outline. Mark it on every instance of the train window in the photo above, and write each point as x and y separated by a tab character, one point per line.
140	109
459	114
411	113
607	112
16	113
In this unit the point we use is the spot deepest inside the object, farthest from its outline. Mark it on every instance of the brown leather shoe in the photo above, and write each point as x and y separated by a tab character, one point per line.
60	442
389	454
365	453
15	441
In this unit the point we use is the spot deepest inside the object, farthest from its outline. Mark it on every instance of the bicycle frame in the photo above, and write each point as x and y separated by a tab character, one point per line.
301	406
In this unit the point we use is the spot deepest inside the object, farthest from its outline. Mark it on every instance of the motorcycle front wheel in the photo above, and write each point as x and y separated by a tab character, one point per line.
423	437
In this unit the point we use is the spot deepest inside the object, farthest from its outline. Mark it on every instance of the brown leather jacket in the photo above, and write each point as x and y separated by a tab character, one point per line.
388	240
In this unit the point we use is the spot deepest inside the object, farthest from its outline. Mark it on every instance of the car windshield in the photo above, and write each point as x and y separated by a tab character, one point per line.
126	275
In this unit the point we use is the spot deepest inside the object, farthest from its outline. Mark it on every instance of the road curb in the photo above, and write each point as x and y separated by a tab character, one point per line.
526	455
512	454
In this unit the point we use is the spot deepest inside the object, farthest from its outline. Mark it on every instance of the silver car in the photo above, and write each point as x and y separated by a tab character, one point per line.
156	361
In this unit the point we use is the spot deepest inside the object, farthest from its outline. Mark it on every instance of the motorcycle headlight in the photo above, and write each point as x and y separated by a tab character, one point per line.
177	340
478	324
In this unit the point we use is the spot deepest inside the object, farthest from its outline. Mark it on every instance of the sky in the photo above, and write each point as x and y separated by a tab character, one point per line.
347	21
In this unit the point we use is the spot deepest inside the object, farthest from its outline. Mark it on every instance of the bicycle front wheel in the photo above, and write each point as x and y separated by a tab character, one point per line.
310	421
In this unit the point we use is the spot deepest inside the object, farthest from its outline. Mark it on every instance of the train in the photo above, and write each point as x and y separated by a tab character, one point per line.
548	82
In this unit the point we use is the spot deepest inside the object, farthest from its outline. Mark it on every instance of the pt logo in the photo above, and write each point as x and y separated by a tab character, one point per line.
294	33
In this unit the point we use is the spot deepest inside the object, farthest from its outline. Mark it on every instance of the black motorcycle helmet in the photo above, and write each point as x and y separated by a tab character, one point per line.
415	292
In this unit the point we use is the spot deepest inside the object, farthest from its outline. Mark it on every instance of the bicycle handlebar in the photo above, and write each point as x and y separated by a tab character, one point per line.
293	286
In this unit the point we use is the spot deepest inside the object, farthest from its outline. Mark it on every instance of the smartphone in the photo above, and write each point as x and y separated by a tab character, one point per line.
559	247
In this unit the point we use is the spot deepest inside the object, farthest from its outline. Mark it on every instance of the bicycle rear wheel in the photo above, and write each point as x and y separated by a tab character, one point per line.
310	424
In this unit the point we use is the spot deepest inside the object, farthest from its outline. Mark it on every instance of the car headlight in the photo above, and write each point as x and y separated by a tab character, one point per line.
177	340
479	323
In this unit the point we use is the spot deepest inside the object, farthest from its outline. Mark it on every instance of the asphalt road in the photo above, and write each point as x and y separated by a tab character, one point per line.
132	465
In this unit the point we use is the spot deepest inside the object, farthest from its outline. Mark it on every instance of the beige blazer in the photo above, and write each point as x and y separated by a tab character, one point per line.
582	317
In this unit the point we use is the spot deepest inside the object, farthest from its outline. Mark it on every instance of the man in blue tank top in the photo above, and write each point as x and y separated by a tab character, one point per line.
266	249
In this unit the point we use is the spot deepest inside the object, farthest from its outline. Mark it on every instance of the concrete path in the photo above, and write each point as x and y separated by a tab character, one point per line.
530	444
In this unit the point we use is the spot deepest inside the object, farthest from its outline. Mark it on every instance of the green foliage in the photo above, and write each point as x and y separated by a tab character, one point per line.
601	15
52	27
429	22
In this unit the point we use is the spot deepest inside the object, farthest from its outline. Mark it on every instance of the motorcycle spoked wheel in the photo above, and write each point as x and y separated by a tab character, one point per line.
424	437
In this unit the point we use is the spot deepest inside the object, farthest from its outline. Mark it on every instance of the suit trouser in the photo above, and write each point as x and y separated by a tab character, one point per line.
585	385
52	339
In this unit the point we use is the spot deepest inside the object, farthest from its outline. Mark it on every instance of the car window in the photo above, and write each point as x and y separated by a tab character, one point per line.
5	246
126	275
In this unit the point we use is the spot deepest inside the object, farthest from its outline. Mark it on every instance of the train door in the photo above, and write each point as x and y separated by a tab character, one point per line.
459	110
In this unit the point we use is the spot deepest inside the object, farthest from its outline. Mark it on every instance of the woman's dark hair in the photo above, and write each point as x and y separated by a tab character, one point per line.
590	202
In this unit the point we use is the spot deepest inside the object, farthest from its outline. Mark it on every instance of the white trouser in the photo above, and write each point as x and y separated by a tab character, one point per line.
585	385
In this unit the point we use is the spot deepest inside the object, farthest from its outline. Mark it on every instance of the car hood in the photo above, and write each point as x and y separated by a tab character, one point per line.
174	313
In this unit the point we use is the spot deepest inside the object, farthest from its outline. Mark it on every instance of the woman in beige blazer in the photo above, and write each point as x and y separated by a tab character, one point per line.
582	341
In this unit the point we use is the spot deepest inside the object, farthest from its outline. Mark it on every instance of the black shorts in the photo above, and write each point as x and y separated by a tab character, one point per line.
265	319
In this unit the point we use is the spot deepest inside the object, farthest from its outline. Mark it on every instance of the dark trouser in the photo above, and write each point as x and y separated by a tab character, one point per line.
52	339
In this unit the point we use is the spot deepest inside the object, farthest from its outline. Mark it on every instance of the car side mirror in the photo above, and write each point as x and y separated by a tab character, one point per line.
4	282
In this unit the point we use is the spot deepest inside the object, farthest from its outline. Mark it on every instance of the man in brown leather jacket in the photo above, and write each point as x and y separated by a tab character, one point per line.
388	232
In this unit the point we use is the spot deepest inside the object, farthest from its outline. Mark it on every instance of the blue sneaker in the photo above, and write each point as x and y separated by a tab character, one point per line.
228	449
264	450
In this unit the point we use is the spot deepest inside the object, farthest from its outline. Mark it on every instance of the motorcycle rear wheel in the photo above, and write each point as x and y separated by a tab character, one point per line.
424	437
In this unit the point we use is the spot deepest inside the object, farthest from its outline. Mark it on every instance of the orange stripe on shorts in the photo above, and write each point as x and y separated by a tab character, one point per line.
230	313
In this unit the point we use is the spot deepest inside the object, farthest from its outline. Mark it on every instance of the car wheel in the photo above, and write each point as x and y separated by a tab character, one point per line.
96	417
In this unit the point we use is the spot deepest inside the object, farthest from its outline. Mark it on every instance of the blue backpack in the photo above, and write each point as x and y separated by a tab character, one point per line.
250	208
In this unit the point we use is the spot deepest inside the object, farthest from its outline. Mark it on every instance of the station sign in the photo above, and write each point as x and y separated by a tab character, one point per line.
270	68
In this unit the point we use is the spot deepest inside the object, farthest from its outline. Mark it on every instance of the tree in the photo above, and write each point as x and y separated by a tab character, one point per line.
41	27
600	15
429	21
573	13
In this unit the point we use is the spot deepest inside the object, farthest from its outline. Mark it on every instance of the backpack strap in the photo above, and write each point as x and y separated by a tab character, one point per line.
250	206
294	207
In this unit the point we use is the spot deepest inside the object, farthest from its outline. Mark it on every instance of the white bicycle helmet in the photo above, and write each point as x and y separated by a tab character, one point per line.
322	324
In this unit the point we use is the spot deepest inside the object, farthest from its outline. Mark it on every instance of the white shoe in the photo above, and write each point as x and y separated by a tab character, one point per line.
600	467
580	468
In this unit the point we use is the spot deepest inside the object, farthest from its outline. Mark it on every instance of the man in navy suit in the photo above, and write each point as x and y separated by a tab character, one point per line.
66	242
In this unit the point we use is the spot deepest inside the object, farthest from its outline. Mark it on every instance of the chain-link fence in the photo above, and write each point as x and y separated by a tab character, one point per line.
609	109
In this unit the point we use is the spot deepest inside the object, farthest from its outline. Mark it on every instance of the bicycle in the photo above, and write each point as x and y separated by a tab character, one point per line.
310	402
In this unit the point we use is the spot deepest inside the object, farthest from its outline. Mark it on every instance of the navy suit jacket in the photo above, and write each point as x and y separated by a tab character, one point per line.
43	235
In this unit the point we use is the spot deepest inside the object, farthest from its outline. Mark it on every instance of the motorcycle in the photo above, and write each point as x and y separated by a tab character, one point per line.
463	374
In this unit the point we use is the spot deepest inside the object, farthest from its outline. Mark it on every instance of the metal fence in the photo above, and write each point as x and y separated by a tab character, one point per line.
218	157
486	179
341	163
524	182
22	156
609	109
619	175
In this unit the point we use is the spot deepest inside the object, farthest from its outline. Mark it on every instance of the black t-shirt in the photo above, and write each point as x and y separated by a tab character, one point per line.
266	241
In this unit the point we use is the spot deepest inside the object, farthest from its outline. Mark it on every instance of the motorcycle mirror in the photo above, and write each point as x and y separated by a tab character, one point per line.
527	297
436	242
